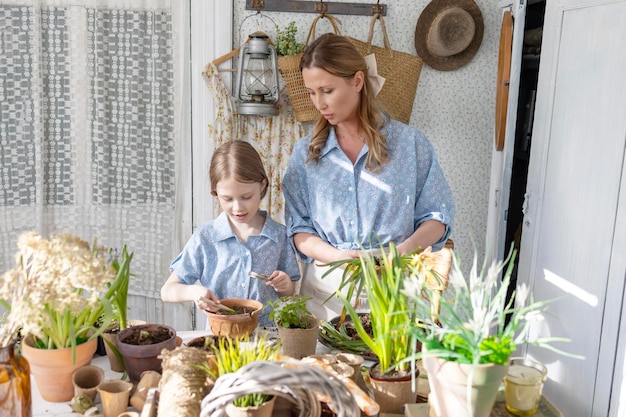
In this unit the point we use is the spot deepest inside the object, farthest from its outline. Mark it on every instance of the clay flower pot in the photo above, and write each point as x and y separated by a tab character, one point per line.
140	347
236	325
53	368
392	392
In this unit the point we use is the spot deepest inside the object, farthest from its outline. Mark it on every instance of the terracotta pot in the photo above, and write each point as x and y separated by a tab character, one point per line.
451	384
86	380
299	343
392	392
236	325
264	410
53	368
114	396
143	357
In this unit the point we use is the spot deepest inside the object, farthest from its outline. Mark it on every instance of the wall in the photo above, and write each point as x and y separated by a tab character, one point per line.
455	109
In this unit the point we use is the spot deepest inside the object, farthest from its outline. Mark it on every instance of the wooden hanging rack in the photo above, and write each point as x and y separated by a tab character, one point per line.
321	6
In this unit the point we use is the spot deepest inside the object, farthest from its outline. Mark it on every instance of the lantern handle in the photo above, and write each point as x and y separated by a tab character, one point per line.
258	12
220	60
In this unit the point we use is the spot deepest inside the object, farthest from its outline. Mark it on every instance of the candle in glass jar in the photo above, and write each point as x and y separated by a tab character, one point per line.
523	385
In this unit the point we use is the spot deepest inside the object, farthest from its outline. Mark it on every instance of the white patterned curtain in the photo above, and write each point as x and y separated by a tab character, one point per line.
90	125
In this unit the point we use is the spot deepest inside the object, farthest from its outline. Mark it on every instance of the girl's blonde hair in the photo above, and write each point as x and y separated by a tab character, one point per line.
239	160
336	55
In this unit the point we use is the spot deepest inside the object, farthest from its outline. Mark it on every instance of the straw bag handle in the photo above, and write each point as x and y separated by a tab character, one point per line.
333	21
376	17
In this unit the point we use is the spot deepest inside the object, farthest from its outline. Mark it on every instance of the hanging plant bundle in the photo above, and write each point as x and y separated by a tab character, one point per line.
183	383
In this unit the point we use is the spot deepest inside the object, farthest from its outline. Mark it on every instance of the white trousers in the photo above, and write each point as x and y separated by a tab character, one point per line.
320	289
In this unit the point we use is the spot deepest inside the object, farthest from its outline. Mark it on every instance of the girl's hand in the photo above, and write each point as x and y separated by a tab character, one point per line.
209	305
281	282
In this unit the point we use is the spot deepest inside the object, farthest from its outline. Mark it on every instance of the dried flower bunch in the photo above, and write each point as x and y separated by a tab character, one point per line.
55	291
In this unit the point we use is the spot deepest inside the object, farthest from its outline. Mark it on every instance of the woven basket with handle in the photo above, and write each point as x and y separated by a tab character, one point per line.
289	67
400	69
303	385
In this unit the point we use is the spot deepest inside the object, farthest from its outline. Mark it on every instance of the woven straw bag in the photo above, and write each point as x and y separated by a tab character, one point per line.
400	69
289	67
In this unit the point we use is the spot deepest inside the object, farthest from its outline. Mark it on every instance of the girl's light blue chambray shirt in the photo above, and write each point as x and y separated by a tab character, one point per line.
353	208
217	258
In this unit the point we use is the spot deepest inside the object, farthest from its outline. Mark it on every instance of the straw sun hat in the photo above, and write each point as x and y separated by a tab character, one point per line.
448	33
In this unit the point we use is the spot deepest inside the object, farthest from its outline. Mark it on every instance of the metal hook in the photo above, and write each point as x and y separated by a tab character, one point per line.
321	7
378	9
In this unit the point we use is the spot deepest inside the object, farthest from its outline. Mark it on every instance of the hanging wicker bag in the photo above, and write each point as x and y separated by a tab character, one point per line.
289	67
401	71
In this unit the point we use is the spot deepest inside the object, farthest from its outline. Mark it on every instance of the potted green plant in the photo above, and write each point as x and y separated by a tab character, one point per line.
55	298
117	294
286	43
466	350
232	354
382	279
297	326
141	346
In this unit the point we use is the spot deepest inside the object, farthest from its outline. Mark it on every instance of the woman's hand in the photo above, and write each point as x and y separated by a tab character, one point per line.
281	282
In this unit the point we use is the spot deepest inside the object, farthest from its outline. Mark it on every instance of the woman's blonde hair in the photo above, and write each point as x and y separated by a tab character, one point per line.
239	160
336	55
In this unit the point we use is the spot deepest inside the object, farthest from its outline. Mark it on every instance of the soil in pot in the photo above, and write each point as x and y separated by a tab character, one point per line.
205	342
149	336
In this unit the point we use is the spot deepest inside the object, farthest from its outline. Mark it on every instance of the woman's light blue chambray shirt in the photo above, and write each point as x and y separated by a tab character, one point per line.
217	258
353	208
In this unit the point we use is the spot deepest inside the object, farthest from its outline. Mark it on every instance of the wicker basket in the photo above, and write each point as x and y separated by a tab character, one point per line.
303	385
289	67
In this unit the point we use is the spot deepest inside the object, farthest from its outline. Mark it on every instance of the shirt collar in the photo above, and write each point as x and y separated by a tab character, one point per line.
223	231
331	142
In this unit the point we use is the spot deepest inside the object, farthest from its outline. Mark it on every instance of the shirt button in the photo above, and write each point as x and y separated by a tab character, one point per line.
350	188
243	285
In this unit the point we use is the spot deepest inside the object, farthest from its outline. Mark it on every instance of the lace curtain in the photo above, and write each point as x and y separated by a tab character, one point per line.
90	129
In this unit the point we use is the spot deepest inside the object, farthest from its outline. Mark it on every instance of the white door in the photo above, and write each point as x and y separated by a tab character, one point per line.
574	242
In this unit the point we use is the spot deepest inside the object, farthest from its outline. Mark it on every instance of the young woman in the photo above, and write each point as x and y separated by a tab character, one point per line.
216	261
360	180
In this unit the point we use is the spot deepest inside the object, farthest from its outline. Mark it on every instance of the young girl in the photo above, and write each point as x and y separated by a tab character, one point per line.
218	258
